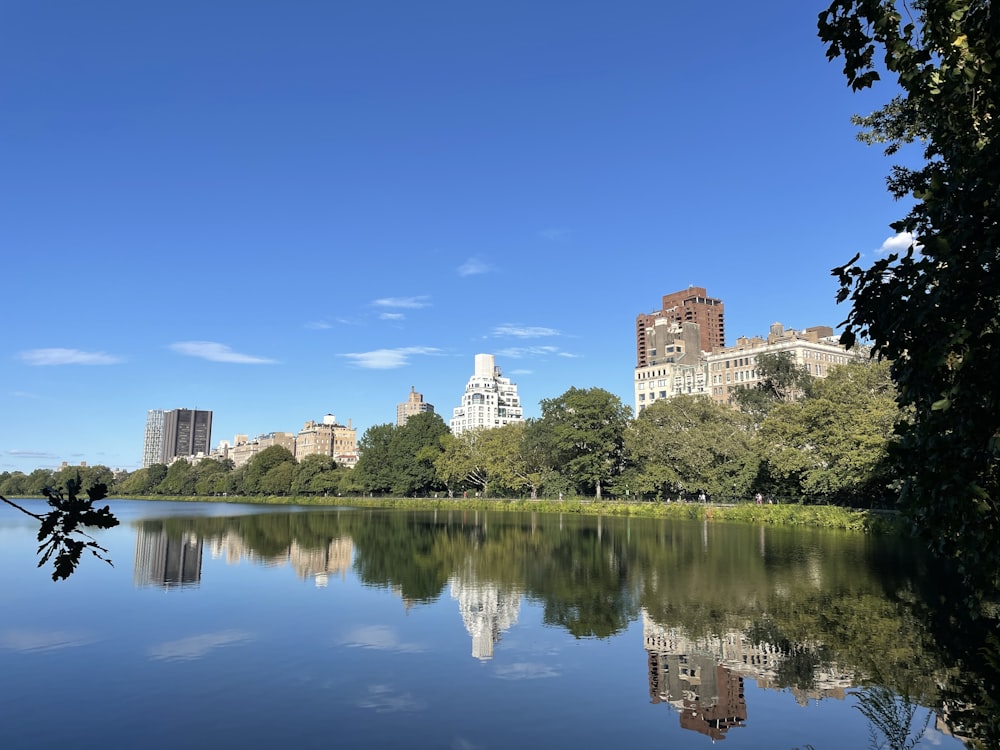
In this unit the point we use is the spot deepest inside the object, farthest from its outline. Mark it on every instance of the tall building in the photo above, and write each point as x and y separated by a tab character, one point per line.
152	446
490	400
186	432
691	305
414	404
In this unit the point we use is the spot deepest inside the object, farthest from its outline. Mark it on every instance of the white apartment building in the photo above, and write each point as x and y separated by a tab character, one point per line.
719	373
489	399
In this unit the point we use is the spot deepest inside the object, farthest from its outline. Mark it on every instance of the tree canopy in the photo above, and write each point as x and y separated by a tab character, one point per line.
933	310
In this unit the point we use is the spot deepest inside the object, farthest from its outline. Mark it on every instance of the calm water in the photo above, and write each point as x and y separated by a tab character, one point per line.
232	626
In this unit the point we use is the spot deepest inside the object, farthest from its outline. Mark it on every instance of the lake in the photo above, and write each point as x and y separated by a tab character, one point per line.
224	625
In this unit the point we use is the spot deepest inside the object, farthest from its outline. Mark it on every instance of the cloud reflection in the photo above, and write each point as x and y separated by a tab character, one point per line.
197	646
35	641
383	699
380	637
525	670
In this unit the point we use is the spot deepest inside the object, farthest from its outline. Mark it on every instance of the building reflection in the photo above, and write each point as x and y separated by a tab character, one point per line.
703	677
487	611
309	563
166	561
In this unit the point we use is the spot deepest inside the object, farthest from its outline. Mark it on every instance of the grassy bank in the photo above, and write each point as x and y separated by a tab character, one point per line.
819	516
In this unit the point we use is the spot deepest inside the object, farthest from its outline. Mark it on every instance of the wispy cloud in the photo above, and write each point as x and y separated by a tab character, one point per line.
392	316
388	359
554	233
317	325
519	352
57	356
898	243
197	646
30	454
216	352
524	332
407	303
473	267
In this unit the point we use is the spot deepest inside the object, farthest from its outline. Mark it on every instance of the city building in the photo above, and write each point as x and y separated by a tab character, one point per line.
186	432
414	404
720	373
328	438
691	305
490	400
152	447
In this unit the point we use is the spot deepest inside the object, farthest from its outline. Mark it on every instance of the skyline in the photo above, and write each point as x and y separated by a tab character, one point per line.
277	213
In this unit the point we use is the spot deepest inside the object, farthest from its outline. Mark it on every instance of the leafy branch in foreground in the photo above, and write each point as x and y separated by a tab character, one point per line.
60	529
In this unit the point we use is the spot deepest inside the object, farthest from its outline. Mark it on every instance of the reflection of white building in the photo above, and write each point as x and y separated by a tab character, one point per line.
318	563
489	399
486	611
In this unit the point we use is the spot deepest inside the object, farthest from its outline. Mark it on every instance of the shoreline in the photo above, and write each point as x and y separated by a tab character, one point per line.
817	516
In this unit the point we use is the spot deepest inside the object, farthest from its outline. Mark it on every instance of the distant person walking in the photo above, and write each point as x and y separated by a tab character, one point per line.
760	499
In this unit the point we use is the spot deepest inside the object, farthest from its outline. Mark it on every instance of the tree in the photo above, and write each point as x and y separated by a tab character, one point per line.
582	432
689	443
934	311
260	467
60	529
780	380
413	448
835	443
373	472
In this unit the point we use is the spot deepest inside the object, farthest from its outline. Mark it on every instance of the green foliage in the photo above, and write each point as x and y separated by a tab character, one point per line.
781	381
688	444
401	460
60	529
582	434
834	445
934	311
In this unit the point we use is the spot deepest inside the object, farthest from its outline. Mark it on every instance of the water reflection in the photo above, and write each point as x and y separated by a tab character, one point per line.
166	560
818	615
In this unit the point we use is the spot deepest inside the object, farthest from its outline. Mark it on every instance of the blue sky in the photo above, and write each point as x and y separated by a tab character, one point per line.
282	210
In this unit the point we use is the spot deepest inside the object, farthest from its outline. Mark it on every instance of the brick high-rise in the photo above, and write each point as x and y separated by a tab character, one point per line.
691	305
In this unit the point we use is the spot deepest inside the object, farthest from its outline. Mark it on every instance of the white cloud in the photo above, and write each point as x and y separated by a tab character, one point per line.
898	243
473	267
408	303
520	372
569	355
216	352
517	352
554	233
317	325
197	646
56	356
392	316
524	332
388	359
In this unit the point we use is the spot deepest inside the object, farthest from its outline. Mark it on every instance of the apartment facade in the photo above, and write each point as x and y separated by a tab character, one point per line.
720	373
186	432
490	400
691	305
328	438
414	404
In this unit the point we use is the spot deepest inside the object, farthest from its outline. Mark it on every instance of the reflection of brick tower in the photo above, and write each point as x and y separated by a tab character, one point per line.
708	696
